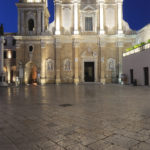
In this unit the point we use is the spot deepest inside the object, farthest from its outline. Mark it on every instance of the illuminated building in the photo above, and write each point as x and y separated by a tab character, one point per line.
84	43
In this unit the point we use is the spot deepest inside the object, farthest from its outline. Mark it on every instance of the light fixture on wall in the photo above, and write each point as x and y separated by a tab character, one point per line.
9	54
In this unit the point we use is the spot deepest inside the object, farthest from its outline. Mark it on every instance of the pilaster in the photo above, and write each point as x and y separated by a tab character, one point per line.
76	16
120	46
39	26
57	53
57	16
42	75
101	15
102	59
120	17
19	17
43	23
76	45
22	27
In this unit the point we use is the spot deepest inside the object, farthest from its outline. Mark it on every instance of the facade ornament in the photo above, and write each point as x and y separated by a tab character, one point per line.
67	65
50	65
111	64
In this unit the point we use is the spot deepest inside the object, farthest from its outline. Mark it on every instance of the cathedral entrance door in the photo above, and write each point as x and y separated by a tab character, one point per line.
30	73
33	78
89	72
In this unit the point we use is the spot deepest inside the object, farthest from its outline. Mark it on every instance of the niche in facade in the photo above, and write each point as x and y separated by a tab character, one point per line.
31	25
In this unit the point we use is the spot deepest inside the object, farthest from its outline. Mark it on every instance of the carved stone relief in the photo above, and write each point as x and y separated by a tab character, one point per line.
67	65
111	64
49	65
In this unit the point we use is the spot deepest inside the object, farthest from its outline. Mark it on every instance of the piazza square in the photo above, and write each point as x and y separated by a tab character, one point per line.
70	117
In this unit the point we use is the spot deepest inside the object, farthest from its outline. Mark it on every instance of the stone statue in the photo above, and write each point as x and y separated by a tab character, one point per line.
67	65
50	65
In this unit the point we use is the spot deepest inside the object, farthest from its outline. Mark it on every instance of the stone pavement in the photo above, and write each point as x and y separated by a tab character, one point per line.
94	117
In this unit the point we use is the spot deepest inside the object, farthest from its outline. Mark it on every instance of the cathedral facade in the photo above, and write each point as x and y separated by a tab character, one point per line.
84	43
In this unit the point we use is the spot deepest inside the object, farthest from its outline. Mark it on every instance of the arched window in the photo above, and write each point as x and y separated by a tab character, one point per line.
31	25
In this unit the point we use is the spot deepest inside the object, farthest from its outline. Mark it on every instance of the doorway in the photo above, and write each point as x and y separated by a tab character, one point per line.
33	76
146	76
131	76
30	73
89	72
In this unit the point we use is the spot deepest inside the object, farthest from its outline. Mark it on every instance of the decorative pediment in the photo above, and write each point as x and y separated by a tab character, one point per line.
89	53
88	8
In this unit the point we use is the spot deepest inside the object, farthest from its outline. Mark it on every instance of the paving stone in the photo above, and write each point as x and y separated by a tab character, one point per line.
121	141
140	136
141	146
8	147
77	147
108	117
67	142
99	145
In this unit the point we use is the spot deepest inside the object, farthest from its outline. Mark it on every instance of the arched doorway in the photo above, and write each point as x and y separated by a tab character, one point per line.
30	73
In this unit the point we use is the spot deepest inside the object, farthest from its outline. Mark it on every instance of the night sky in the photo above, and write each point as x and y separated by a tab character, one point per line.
136	13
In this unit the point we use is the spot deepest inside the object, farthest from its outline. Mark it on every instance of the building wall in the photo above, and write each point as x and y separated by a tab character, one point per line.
143	35
137	62
59	52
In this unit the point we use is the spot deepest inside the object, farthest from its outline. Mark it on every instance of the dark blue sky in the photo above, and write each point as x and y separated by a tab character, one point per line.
136	13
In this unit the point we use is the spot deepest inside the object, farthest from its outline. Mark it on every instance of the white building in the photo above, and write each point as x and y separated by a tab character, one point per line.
136	63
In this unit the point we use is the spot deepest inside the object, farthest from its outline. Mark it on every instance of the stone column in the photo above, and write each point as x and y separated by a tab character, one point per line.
120	17
76	17
57	16
76	45
42	74
101	10
57	59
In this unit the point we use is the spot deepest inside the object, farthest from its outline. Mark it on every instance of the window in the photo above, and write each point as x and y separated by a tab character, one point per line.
13	42
30	48
5	54
88	24
5	42
14	54
31	25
